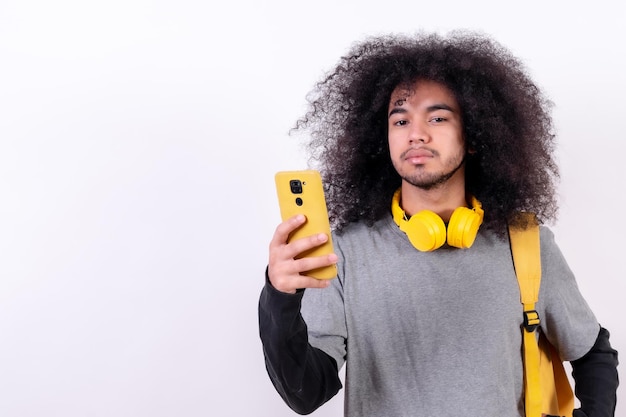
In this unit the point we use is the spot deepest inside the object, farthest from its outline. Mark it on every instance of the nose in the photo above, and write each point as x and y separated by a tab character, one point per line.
419	133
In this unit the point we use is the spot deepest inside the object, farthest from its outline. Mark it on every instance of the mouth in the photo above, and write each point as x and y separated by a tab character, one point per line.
418	155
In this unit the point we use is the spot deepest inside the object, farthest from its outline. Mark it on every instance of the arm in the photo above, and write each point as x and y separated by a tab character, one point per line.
571	327
304	376
596	379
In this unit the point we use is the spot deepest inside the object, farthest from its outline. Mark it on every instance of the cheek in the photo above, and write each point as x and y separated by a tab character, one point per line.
394	143
395	136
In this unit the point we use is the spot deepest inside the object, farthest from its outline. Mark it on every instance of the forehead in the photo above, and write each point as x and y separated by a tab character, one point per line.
422	90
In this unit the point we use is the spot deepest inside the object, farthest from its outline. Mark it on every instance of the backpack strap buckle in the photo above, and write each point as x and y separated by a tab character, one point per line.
531	320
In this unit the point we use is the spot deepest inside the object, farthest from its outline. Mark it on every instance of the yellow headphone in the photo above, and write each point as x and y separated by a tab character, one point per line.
427	231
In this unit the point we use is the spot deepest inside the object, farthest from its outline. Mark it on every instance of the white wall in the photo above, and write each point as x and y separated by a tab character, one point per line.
138	142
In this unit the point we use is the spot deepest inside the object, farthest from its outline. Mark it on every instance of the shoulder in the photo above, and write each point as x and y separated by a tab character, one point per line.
550	250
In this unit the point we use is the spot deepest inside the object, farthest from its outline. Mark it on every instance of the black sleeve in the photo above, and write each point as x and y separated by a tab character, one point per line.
304	376
596	379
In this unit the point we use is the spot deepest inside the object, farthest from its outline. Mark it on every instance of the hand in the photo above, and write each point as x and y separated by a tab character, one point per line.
285	271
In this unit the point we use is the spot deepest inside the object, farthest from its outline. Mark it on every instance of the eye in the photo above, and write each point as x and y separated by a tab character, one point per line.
438	119
398	122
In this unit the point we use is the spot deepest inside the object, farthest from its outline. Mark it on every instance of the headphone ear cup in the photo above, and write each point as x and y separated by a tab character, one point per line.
425	230
463	227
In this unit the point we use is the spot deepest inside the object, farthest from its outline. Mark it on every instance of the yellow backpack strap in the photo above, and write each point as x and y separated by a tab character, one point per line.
547	389
525	248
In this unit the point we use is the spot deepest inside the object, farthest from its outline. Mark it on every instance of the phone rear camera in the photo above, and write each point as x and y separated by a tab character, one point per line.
296	186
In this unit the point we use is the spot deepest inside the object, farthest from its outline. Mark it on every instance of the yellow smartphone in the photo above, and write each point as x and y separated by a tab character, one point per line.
301	192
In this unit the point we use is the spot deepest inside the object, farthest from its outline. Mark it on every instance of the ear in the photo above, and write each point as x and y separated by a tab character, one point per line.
470	149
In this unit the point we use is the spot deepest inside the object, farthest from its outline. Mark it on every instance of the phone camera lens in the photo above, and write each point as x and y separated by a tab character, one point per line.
296	186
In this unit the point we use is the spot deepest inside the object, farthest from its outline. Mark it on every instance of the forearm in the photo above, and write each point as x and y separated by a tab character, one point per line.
596	379
304	376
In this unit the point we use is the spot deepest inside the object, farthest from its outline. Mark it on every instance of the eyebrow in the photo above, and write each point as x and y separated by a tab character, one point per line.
429	109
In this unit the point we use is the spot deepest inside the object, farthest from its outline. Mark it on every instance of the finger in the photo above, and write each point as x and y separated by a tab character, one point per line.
292	284
298	246
282	266
281	234
309	263
310	282
292	274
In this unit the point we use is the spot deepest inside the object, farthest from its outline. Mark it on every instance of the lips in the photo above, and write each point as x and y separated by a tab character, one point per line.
418	155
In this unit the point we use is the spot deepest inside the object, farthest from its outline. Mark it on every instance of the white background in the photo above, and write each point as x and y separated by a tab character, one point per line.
138	142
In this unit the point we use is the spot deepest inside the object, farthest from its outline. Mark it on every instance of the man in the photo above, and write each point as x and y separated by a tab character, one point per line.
421	140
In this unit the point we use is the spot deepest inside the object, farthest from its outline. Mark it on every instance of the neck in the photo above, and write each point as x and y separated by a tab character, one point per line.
442	200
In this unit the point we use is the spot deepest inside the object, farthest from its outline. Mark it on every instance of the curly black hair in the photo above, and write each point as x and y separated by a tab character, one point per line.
506	120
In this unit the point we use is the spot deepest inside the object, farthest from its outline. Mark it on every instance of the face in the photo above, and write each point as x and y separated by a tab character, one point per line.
426	134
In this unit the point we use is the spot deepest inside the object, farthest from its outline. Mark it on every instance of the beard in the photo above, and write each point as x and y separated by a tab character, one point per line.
432	180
